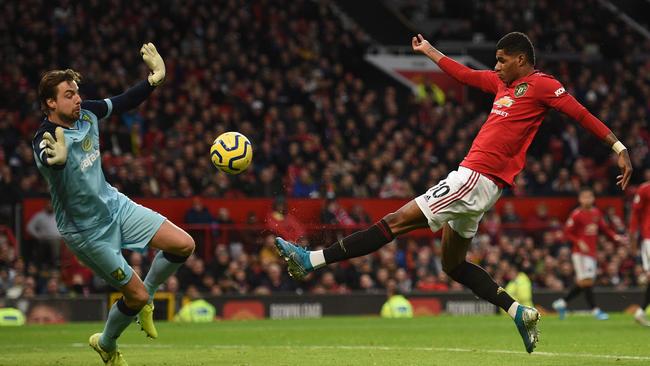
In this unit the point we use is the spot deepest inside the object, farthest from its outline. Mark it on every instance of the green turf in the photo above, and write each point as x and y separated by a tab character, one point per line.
443	340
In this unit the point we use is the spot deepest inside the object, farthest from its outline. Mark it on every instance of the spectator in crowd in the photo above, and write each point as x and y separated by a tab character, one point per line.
359	215
46	250
275	279
198	213
333	214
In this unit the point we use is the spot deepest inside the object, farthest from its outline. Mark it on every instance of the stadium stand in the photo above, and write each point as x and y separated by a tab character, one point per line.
288	76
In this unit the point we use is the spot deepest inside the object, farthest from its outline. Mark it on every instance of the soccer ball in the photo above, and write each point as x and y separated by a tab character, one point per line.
231	152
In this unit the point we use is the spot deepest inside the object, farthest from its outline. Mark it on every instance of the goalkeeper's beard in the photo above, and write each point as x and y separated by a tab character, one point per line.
69	118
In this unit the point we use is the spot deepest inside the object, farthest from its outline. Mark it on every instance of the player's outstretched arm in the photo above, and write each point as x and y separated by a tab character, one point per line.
554	95
485	80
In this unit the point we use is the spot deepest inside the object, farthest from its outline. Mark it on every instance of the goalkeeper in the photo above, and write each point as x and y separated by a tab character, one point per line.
95	220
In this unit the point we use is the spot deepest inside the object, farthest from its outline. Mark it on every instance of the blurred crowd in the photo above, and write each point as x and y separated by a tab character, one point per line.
584	27
288	74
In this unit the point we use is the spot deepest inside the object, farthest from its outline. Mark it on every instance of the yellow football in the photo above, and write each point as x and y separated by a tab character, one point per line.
231	152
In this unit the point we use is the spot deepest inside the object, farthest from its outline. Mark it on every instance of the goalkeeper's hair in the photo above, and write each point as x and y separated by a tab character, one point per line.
515	43
47	88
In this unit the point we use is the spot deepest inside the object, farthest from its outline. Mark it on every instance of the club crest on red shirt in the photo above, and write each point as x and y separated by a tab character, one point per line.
520	89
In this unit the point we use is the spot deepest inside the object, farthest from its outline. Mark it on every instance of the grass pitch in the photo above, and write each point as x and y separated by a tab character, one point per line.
442	340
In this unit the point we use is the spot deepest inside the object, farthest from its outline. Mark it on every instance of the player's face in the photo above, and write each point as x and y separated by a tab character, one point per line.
68	102
507	66
586	199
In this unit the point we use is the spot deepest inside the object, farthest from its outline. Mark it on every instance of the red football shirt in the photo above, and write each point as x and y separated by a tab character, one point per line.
640	219
584	225
499	149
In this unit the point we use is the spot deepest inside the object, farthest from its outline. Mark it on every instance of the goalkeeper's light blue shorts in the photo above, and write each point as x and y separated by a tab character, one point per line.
132	227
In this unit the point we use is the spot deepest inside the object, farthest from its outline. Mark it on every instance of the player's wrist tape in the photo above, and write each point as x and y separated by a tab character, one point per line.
618	147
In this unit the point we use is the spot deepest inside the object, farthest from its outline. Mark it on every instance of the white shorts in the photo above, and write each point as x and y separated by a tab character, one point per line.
584	266
645	254
460	200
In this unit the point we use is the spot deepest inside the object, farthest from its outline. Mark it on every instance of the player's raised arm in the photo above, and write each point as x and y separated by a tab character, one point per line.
138	93
553	94
485	80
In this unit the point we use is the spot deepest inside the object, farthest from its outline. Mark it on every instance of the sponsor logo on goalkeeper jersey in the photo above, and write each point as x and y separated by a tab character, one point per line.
89	160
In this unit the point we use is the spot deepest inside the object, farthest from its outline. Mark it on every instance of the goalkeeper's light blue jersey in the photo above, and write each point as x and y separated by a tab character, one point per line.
81	197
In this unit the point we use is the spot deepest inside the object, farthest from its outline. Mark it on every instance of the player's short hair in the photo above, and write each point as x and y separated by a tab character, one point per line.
586	189
517	42
49	82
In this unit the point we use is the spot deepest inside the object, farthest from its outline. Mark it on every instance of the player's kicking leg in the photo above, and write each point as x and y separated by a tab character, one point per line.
301	261
175	246
408	218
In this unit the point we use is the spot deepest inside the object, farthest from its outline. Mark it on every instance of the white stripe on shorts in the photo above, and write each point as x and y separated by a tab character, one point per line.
464	189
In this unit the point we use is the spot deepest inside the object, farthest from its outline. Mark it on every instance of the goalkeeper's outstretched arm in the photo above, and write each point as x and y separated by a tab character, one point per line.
135	95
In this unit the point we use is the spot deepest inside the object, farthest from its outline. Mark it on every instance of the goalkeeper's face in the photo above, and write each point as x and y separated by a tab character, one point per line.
68	101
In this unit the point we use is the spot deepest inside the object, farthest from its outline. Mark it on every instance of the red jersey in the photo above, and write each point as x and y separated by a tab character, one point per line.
584	225
640	218
499	149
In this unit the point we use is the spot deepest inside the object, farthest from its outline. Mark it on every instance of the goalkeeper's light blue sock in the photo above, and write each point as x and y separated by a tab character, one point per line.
119	317
163	266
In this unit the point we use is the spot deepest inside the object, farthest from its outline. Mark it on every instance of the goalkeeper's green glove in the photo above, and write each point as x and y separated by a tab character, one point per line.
57	152
155	63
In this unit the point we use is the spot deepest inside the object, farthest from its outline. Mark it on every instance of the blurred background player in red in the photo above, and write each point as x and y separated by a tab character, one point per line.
640	223
582	229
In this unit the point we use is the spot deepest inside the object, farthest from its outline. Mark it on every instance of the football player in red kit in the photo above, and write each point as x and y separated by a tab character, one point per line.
582	229
640	224
523	96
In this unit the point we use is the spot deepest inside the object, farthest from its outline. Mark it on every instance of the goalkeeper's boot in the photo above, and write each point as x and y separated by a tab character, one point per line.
640	317
560	306
599	314
145	319
113	358
526	321
297	258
